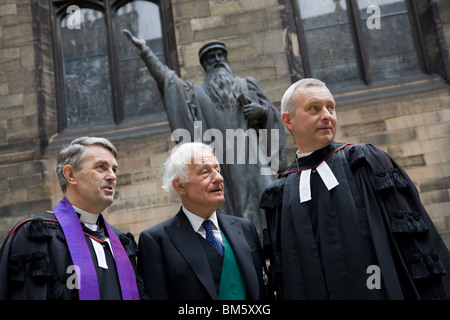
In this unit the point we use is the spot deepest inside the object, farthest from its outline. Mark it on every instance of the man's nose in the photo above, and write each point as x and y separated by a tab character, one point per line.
111	175
325	114
217	177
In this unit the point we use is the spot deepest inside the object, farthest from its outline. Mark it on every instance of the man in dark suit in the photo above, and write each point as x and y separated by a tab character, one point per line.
183	258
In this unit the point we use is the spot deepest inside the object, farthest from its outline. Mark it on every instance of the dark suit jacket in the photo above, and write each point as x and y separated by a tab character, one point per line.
174	266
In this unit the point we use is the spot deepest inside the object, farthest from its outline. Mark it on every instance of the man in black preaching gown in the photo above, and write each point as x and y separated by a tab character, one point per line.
71	252
345	221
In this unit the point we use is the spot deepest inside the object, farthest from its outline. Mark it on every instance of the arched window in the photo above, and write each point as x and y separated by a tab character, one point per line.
101	80
87	81
358	43
141	96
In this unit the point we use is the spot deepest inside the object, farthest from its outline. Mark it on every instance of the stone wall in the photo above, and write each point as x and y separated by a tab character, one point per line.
22	182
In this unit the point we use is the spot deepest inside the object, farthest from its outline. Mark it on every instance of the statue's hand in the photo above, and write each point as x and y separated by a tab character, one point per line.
251	109
254	111
138	41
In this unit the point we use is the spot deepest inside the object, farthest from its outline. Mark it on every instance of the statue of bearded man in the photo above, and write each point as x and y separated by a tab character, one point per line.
226	103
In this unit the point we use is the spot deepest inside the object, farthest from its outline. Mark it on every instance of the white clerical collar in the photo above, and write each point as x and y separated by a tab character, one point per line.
301	155
196	221
87	217
90	221
328	178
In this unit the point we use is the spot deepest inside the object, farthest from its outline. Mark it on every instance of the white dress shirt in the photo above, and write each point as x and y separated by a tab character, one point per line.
196	223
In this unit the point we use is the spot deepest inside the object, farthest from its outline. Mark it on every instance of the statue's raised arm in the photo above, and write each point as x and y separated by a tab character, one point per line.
140	43
157	69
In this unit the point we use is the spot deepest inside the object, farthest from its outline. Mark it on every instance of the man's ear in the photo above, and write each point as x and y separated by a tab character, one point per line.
68	173
287	121
178	186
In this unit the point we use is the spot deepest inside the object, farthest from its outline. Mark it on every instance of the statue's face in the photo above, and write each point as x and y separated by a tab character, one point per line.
216	58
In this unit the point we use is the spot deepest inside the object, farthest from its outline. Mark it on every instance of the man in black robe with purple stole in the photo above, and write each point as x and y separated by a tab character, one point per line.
345	221
71	252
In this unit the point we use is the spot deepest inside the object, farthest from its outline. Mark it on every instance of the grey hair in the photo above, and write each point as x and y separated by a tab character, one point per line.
175	166
286	102
73	155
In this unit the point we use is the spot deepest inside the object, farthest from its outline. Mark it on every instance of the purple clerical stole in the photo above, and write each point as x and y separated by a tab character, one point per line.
81	256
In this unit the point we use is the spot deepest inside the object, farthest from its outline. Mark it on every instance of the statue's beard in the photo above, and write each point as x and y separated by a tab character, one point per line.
223	87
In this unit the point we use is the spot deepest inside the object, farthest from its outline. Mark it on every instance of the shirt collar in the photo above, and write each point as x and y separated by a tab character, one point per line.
301	155
87	217
196	221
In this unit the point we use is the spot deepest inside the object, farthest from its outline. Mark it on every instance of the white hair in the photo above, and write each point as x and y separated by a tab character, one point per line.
175	167
286	101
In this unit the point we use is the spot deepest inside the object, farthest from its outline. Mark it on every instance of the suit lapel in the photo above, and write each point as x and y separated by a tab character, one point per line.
185	240
242	251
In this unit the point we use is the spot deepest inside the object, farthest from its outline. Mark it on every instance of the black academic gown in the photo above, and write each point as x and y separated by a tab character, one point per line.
323	248
34	262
